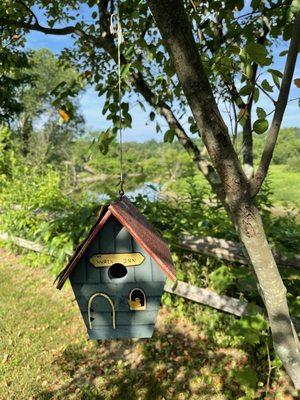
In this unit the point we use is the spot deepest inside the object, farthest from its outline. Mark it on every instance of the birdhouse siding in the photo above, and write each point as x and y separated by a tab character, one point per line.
113	238
143	272
123	332
79	273
107	245
121	304
88	280
123	244
122	318
157	273
129	323
113	289
92	273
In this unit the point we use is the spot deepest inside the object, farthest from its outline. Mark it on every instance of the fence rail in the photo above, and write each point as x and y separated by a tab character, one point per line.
203	296
228	250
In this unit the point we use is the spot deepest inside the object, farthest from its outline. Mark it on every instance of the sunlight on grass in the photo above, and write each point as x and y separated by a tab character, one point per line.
44	353
285	185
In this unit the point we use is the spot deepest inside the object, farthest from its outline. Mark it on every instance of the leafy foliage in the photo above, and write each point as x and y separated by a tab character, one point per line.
12	77
39	204
45	88
236	42
236	38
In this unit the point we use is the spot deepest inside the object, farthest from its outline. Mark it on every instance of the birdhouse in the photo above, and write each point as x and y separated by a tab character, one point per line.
118	274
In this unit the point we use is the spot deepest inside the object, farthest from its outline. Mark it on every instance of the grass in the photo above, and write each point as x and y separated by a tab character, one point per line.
44	353
285	186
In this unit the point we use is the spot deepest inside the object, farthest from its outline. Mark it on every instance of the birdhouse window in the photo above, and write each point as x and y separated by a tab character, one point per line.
117	271
137	300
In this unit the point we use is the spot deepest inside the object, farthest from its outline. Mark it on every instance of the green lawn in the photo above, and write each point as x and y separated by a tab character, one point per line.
285	185
44	353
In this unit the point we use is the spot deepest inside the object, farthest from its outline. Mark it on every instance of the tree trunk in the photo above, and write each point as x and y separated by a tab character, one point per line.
175	29
25	129
248	149
271	287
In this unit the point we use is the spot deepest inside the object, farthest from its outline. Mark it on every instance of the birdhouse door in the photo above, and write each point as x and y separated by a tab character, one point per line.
101	311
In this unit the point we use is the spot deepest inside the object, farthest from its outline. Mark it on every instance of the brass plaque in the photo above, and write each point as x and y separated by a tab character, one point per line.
127	259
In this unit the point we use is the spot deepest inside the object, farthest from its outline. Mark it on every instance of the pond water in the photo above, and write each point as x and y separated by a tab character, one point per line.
149	190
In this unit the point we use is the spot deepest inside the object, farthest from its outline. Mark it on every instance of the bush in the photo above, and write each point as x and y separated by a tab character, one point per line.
293	164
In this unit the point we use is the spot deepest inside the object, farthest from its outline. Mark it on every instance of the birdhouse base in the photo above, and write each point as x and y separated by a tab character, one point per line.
123	332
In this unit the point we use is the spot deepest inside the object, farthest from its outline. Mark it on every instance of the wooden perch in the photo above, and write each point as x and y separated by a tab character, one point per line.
228	250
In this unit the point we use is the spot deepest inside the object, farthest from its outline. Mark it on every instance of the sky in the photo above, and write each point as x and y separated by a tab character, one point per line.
143	129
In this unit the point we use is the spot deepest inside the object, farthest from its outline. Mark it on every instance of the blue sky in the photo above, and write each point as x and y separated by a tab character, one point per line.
143	129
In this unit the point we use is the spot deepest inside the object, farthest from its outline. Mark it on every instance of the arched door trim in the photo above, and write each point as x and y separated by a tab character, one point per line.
110	302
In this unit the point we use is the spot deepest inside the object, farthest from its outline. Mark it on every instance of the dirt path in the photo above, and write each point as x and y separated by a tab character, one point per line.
44	353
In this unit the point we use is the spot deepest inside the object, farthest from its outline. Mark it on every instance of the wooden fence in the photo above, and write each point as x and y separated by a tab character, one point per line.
207	297
228	250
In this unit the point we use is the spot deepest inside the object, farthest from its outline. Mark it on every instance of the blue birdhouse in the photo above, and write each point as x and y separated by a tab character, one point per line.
118	274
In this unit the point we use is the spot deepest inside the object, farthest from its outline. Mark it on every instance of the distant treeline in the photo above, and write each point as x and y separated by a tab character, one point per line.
152	156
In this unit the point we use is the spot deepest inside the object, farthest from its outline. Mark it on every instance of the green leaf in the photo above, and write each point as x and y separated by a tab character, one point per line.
240	4
152	115
221	278
193	128
141	105
260	126
169	136
266	86
261	113
276	81
256	95
125	107
275	72
243	115
249	328
297	82
104	141
294	8
258	53
283	53
246	90
125	70
246	377
276	75
255	4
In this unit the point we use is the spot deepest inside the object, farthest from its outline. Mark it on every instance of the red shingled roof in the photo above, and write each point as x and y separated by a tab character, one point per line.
139	228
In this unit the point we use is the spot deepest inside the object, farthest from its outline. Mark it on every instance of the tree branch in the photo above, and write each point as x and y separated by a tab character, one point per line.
29	10
176	31
165	111
68	30
247	128
281	103
106	42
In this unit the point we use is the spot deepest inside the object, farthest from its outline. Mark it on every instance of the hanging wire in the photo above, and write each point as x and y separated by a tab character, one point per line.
120	40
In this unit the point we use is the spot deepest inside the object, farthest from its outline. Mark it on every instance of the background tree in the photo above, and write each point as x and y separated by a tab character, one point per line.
48	79
206	53
12	78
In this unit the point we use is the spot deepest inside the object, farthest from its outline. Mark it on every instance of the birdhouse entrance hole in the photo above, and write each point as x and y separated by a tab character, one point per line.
117	271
